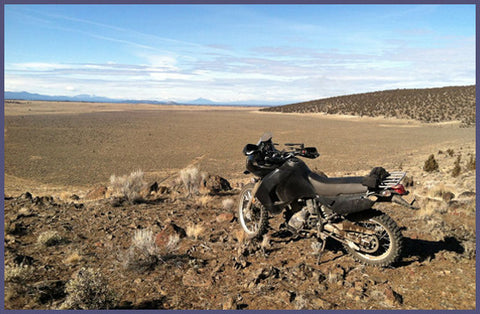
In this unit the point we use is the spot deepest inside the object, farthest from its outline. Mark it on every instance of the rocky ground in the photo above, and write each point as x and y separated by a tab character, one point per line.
201	259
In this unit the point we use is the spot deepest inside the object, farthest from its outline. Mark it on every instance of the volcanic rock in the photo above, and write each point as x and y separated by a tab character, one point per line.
215	184
162	238
225	217
96	193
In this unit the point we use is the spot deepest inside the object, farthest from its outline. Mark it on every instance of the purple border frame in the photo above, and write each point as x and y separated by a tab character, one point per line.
241	2
359	2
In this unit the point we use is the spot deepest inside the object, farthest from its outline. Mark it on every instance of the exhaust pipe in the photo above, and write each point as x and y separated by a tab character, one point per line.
399	200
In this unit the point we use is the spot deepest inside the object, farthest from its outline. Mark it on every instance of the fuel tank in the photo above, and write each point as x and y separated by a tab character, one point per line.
285	184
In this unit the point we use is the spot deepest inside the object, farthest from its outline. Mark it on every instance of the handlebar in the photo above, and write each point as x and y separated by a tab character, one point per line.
280	156
269	153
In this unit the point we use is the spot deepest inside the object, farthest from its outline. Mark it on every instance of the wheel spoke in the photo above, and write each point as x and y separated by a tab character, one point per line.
381	234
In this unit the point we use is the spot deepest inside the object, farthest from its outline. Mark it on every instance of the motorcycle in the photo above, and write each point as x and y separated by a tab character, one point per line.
319	206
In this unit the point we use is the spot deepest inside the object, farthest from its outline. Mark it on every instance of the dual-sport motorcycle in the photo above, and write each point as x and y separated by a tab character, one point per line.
316	205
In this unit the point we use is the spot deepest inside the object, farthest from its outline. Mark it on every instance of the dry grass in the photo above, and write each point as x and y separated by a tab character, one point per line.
228	204
204	201
265	244
301	303
18	273
240	235
194	230
73	258
438	190
431	207
471	163
49	238
24	211
143	253
172	244
128	186
435	227
191	179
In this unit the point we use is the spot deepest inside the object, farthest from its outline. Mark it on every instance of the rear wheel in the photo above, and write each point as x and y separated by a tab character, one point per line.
254	220
383	247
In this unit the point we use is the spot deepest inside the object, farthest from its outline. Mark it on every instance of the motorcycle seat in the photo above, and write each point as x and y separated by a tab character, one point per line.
326	186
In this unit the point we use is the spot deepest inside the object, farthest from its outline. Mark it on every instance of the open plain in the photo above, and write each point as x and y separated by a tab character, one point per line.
62	151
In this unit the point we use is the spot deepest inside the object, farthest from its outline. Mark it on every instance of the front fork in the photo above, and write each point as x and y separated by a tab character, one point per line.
254	192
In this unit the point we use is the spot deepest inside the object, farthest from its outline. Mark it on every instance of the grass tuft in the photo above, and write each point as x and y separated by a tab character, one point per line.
18	273
194	230
228	204
49	238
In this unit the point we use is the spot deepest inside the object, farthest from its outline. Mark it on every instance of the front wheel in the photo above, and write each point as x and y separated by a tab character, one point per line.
254	220
380	248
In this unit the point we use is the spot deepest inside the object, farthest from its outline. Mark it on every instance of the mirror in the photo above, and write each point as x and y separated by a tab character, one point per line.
311	152
250	149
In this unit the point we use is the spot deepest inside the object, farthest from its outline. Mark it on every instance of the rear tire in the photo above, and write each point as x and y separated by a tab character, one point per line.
255	220
387	245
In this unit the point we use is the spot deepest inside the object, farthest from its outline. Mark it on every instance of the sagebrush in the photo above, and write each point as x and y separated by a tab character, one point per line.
89	291
129	186
191	178
143	253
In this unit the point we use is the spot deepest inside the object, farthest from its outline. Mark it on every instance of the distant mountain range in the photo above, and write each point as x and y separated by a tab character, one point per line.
93	98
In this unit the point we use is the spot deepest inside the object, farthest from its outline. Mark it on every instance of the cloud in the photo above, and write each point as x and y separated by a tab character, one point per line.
282	73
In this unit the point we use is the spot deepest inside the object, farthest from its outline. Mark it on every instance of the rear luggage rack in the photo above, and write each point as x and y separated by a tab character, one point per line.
393	179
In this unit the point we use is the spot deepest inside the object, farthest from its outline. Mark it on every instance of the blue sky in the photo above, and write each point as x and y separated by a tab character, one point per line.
225	53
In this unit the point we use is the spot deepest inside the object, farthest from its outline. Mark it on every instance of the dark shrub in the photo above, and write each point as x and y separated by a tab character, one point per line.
471	163
456	168
430	164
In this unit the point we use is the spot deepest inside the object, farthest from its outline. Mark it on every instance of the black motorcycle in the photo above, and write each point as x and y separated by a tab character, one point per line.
316	205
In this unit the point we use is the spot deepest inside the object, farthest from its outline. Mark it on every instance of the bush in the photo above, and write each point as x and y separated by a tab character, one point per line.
88	291
430	164
18	273
191	178
456	168
471	163
129	186
450	152
143	253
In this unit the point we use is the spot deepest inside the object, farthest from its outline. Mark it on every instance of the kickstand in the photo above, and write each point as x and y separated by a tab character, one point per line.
323	241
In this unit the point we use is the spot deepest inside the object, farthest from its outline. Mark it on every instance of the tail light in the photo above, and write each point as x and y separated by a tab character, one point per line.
399	189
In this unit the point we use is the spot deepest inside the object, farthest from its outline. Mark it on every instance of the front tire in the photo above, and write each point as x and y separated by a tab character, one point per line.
254	220
384	247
